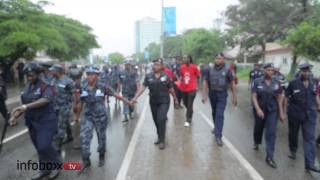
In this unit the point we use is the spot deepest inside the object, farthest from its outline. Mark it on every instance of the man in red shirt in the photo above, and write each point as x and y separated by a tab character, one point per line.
189	75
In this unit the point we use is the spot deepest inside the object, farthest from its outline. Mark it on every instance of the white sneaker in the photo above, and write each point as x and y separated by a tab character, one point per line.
186	124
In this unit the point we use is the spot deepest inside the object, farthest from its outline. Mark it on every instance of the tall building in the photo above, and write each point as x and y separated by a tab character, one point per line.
147	30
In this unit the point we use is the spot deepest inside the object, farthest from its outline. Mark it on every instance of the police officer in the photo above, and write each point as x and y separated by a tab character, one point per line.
64	89
255	73
217	79
130	84
160	87
267	97
303	103
46	74
76	75
95	116
3	97
38	109
279	77
115	80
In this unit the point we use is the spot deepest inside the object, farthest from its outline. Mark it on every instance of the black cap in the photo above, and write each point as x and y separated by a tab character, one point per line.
219	55
46	64
268	65
32	67
159	61
305	66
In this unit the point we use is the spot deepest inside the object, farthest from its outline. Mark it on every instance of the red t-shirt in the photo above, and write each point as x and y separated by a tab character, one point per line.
189	75
169	73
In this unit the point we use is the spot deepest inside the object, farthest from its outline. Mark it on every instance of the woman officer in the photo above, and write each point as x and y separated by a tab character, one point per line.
160	87
267	97
37	97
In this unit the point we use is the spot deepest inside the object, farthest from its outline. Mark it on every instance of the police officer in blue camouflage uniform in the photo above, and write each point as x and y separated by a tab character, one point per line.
218	79
64	89
94	114
115	80
267	98
38	109
303	103
129	83
46	74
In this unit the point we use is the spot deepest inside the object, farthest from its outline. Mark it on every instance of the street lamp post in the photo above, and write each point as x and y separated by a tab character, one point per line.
162	31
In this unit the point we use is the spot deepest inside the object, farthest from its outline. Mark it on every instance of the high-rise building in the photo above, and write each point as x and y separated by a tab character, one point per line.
147	30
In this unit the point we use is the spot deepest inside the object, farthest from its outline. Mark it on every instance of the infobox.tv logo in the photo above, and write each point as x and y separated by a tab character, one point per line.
31	165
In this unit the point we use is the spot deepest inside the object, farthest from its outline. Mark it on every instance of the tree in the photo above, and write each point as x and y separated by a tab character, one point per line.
259	22
202	44
154	51
173	46
116	58
26	29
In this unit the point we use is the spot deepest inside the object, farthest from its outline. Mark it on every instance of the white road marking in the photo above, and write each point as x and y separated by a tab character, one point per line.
122	174
252	172
24	131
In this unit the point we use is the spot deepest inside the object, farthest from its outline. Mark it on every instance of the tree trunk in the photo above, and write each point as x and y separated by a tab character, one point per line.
294	66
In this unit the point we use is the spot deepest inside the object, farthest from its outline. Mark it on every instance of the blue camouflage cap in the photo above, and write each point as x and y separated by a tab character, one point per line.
56	68
32	67
92	69
268	65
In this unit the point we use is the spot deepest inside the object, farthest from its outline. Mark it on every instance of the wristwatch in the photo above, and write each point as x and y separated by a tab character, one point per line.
25	107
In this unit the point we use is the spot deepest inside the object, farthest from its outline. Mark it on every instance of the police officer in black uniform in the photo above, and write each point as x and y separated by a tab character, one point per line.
255	73
303	103
37	100
3	97
267	98
160	87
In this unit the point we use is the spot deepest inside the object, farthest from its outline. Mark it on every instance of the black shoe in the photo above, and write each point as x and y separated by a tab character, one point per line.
125	119
219	142
101	160
271	163
131	116
292	155
54	174
85	164
67	140
157	142
162	145
40	175
256	147
312	169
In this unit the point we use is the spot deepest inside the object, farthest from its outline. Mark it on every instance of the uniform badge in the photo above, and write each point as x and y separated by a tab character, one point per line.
38	91
99	93
296	91
164	78
61	85
84	94
260	87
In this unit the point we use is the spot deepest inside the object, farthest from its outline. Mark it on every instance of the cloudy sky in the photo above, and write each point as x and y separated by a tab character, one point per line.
113	20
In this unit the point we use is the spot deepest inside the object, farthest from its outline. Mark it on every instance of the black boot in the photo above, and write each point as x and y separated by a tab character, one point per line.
101	159
256	147
162	145
85	164
125	118
54	174
271	163
157	142
312	169
292	155
40	175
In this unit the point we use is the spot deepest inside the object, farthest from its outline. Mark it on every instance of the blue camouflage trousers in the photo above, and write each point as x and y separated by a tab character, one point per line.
64	115
88	123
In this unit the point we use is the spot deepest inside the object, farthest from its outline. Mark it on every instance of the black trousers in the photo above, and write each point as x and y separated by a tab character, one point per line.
3	108
159	114
188	99
178	94
259	125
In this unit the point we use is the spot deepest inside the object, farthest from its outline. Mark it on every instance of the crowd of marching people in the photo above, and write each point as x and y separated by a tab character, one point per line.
55	95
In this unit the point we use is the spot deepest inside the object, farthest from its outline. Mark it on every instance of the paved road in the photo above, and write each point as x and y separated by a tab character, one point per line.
191	153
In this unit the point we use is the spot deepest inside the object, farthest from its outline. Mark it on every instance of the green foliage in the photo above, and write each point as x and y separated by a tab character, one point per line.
173	46
26	29
202	44
154	51
305	40
116	58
